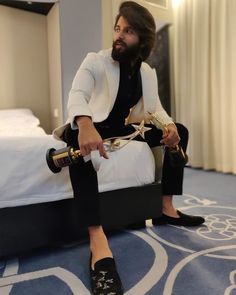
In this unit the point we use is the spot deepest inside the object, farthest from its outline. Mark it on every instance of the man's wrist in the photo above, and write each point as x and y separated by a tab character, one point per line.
171	123
81	120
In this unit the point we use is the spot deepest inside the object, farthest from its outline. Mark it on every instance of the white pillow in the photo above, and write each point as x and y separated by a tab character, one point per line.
18	118
17	111
22	131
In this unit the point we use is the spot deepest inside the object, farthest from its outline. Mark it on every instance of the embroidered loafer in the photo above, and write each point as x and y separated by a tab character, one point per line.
105	279
184	220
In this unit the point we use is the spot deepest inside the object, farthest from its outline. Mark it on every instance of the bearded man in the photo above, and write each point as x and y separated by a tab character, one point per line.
112	89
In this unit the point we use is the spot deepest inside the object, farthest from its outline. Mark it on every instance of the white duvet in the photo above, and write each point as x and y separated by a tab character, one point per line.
26	179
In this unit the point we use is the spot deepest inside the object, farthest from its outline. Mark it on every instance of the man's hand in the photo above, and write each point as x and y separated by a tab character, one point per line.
170	136
88	138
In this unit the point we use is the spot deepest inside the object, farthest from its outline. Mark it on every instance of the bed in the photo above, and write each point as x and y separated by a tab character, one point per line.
37	207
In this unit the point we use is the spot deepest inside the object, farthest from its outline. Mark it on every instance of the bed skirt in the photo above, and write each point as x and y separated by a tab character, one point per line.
25	228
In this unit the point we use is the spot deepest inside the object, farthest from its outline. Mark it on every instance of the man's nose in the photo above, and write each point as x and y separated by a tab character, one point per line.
121	35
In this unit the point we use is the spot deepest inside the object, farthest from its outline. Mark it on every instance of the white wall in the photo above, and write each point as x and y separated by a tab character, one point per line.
107	23
160	14
54	58
24	62
81	32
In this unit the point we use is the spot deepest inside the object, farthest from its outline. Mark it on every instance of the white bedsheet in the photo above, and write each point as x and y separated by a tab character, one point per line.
26	179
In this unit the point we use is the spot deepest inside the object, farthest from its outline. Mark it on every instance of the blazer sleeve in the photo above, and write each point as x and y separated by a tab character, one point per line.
160	113
81	90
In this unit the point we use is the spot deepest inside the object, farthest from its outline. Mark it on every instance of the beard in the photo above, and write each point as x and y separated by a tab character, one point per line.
127	53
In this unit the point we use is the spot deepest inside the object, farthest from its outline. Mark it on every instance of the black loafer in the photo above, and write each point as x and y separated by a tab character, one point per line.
105	279
184	220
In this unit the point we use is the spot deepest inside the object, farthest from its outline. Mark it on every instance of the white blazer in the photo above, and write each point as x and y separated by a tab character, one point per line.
95	87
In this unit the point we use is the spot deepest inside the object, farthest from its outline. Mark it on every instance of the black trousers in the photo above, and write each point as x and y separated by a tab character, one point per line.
84	177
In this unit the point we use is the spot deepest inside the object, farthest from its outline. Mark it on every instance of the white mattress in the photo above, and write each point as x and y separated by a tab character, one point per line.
133	165
25	178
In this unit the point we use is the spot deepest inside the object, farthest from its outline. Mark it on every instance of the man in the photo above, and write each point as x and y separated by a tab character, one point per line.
111	88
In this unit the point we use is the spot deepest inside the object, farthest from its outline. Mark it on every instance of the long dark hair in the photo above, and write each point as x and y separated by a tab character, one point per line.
141	20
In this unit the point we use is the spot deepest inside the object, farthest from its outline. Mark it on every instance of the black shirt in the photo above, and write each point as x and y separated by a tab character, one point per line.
129	93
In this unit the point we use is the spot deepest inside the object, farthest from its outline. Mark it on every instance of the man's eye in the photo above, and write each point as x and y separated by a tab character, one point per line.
130	31
117	30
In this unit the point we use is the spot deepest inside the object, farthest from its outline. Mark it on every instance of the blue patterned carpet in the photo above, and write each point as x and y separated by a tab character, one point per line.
157	260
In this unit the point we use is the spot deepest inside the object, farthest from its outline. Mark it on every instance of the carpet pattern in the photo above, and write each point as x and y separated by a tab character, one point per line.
156	260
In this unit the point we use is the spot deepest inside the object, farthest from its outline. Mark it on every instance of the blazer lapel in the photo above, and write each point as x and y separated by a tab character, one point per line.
150	90
112	69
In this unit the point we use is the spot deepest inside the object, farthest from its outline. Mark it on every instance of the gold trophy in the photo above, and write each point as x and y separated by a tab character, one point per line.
57	159
178	158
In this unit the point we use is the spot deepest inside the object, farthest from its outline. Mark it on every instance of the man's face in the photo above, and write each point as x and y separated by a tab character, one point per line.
125	42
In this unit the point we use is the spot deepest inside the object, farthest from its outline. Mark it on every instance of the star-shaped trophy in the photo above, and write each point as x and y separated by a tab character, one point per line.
141	129
57	159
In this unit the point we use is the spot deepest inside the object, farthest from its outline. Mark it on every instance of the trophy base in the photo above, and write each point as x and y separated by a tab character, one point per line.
50	162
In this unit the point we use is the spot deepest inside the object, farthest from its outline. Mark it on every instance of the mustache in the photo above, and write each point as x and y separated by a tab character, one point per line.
120	42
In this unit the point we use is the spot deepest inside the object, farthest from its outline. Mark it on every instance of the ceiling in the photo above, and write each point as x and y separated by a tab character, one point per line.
37	7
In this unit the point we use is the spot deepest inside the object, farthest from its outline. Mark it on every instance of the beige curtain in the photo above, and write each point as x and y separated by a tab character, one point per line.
205	80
